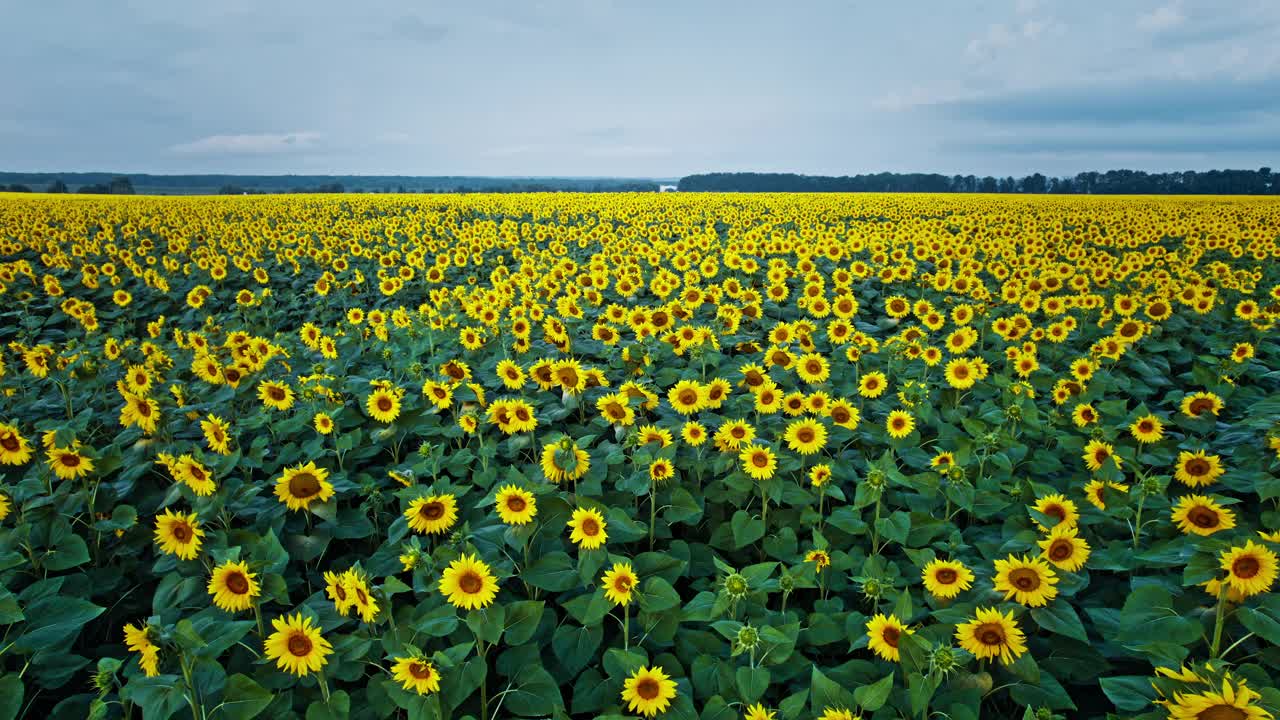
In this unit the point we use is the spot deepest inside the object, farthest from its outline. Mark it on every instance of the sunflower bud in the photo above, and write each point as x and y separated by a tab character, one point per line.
748	638
736	586
872	588
942	660
786	583
876	479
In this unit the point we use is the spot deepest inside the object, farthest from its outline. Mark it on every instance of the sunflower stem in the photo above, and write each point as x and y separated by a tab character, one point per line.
324	685
875	529
1137	520
1223	587
626	629
257	615
653	509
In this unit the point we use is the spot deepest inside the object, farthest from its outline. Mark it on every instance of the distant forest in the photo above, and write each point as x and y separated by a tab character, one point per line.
1112	182
128	184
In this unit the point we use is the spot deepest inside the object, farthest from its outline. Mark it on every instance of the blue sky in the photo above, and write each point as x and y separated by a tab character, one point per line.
657	89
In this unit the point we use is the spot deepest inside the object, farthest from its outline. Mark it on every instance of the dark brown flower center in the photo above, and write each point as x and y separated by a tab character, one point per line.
433	510
1222	712
515	503
70	460
589	527
1025	579
10	442
1246	567
470	583
1056	511
1061	550
760	460
688	397
890	636
1197	467
1203	517
299	644
648	688
946	576
384	404
805	435
237	583
990	634
276	394
304	485
420	671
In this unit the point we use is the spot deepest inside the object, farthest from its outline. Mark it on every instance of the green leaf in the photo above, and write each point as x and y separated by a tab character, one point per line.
1148	615
825	692
338	707
575	647
1264	620
1129	693
10	696
244	698
1062	619
70	552
896	527
522	621
746	529
554	572
752	683
659	596
873	697
55	620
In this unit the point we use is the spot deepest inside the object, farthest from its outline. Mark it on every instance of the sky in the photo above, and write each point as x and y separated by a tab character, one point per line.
660	88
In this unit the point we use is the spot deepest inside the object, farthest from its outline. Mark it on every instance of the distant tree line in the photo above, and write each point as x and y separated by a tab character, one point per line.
1112	182
119	185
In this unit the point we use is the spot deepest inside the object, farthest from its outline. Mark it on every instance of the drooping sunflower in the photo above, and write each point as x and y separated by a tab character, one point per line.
516	506
619	583
189	471
297	646
564	460
140	410
1065	548
1096	491
468	583
587	528
357	590
275	395
1251	568
336	589
1198	469
14	449
1200	515
233	587
758	461
416	674
138	639
301	485
215	431
383	405
1234	702
1084	415
178	534
806	437
432	514
1147	429
648	691
899	424
946	578
992	634
883	634
1029	581
4	507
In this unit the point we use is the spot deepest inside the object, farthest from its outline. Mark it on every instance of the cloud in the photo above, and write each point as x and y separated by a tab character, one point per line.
256	144
1166	101
997	37
1194	142
1162	18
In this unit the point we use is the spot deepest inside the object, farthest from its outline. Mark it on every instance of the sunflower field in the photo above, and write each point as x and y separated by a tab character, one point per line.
635	455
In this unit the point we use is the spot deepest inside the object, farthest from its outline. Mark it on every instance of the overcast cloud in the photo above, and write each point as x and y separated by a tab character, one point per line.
644	89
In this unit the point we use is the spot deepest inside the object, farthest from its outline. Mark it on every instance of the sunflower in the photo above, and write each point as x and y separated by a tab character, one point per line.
14	449
190	472
357	590
296	645
215	431
138	639
694	434
1197	404
4	507
1251	569
838	713
758	461
946	578
1084	415
821	559
1058	507
336	589
687	397
899	424
1200	515
1065	548
564	461
1029	581
468	584
872	385
813	368
1234	702
806	437
383	405
1147	429
141	411
660	470
619	583
759	712
515	505
1096	453
844	414
69	463
178	534
432	514
992	634
819	475
883	633
323	423
301	485
616	409
648	691
416	674
588	528
961	374
732	435
1198	469
275	395
233	587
